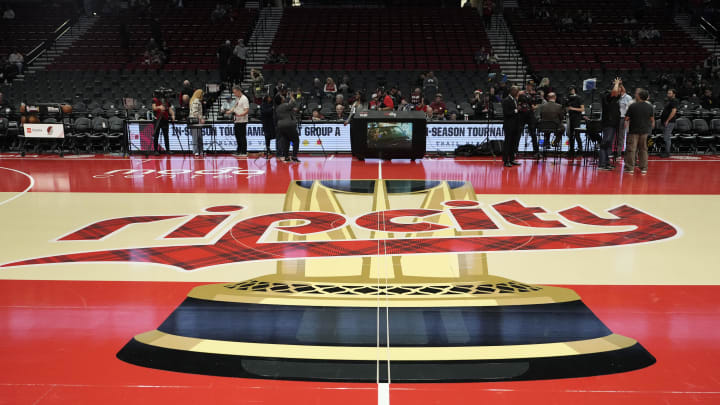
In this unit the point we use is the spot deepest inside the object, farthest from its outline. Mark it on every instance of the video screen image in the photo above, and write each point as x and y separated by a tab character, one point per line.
389	135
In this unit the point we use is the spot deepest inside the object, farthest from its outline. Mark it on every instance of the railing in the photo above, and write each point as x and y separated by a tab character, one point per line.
710	30
509	44
42	48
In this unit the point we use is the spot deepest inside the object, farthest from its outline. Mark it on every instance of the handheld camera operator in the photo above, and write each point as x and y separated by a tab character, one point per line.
240	109
610	121
537	98
287	129
526	114
164	112
576	109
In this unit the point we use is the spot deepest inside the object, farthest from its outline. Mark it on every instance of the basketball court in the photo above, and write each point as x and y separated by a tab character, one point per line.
106	262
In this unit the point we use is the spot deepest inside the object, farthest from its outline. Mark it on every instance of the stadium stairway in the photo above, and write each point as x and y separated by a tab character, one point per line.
700	36
261	40
64	43
505	48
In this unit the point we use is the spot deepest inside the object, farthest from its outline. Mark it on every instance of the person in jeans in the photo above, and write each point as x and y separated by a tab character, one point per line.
196	114
640	120
610	120
240	109
668	117
625	101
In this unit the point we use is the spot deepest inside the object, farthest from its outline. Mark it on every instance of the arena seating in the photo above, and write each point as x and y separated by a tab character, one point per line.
592	47
20	35
456	86
374	47
380	39
191	37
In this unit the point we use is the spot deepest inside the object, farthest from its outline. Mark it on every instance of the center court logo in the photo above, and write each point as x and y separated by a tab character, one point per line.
404	231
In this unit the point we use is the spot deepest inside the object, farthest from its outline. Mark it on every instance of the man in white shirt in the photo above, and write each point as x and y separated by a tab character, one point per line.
240	109
625	101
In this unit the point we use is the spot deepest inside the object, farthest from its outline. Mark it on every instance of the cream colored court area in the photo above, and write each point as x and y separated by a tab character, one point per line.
33	223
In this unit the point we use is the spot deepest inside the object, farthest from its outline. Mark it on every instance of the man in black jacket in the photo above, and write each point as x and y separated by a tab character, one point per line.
610	120
511	127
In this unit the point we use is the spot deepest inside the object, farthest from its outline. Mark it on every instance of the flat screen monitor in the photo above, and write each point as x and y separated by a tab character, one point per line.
389	136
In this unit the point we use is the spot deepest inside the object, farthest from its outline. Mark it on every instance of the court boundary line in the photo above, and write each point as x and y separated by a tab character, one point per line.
32	184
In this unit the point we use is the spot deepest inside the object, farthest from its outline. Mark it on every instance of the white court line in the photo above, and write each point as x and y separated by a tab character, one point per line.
383	389
32	183
383	394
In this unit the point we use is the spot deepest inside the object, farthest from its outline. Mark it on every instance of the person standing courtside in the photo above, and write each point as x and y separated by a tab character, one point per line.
610	120
267	117
240	109
640	119
576	109
625	101
163	112
510	127
196	114
526	114
287	126
668	117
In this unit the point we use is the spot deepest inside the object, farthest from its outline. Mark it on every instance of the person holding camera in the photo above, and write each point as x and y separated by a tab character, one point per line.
240	109
526	115
163	111
610	121
287	130
267	117
576	109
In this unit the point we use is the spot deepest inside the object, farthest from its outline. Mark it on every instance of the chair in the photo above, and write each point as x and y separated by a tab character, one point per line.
550	127
81	131
4	125
116	133
704	136
79	109
99	129
655	140
685	134
715	130
593	136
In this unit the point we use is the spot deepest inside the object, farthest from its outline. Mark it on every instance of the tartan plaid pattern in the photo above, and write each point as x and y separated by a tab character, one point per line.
474	219
198	227
101	229
240	244
461	203
382	221
224	208
518	214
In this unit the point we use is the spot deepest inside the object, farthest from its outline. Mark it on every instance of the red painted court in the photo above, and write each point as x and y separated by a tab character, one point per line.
64	323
